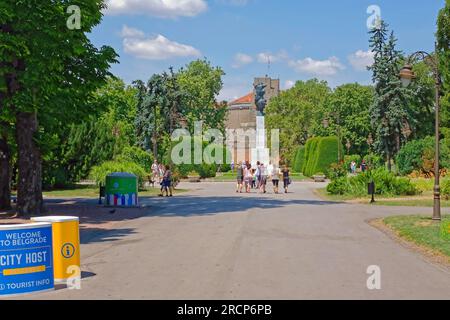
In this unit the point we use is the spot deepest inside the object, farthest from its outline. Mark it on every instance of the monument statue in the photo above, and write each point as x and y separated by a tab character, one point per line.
260	101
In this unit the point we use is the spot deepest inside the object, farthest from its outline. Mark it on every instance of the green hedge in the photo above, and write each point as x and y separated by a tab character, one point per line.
320	154
299	159
136	155
99	173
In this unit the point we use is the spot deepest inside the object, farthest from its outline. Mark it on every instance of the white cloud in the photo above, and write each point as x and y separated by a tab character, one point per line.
158	8
264	57
128	32
241	59
360	60
327	67
157	48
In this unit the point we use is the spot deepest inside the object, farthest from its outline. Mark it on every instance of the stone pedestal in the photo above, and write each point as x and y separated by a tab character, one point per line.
260	153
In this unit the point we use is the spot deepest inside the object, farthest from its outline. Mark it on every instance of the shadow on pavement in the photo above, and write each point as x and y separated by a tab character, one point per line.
186	206
91	235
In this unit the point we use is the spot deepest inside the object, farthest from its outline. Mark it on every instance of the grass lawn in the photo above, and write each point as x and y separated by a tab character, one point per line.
424	200
422	231
93	192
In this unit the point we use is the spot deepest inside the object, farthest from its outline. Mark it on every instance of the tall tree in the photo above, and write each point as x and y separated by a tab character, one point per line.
351	103
151	111
49	68
297	112
201	82
443	46
389	111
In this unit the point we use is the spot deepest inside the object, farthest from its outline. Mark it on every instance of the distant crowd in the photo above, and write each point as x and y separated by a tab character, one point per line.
257	177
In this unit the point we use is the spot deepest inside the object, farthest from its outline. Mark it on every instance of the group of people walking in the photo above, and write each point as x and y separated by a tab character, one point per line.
162	175
249	177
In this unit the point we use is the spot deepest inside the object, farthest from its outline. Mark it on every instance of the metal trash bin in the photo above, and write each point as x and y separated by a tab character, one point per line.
66	246
121	190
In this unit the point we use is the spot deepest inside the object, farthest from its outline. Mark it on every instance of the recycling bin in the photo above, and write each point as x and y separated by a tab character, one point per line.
121	190
66	246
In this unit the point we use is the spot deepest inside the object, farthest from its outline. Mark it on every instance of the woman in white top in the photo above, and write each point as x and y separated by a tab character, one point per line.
275	174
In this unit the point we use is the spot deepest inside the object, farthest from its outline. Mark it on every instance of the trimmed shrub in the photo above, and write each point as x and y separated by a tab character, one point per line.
320	154
310	156
136	155
386	183
299	159
326	155
99	173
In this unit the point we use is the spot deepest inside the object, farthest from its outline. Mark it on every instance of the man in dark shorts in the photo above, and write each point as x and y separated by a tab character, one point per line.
286	179
167	183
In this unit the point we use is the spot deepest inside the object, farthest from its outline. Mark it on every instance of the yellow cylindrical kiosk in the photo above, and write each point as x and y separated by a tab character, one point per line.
66	246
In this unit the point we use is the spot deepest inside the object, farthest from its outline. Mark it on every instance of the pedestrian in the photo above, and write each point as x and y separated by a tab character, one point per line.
253	178
258	174
263	178
167	183
232	166
275	175
248	178
363	166
286	178
155	173
269	168
240	178
353	167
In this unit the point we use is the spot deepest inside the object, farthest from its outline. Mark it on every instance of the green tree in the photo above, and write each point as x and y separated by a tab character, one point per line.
201	82
389	112
48	73
152	112
351	102
101	137
296	113
443	47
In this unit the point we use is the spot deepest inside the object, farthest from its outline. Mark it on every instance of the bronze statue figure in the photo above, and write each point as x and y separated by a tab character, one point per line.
260	101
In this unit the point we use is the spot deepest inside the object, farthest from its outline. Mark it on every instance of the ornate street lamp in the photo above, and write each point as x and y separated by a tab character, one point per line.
407	76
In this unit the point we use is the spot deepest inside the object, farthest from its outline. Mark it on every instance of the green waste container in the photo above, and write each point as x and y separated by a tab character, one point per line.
121	190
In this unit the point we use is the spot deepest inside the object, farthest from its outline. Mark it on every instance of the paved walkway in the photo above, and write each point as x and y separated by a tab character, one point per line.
214	244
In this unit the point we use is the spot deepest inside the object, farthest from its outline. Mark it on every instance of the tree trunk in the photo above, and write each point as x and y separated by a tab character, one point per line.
389	164
29	191
5	175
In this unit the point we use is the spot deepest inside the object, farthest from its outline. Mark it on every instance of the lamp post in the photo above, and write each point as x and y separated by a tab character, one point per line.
407	76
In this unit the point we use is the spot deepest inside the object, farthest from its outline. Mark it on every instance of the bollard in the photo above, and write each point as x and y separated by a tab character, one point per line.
66	246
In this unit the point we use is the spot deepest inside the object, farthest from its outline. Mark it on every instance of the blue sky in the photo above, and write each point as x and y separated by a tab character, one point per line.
326	39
